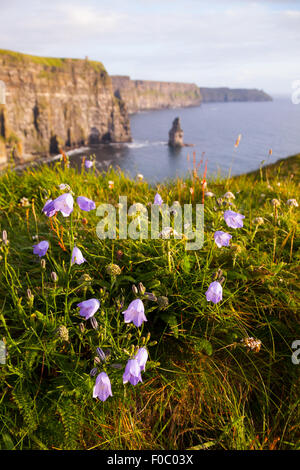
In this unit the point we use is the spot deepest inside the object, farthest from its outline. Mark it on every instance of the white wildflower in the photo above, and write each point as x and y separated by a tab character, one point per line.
292	202
229	195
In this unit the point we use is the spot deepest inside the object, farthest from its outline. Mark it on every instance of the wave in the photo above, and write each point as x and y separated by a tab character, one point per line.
145	143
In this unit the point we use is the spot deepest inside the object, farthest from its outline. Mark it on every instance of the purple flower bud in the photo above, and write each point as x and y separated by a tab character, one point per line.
214	292
41	248
132	372
49	208
88	308
102	388
88	163
94	323
158	199
64	204
233	219
93	372
85	204
101	354
135	313
222	238
77	256
54	276
141	357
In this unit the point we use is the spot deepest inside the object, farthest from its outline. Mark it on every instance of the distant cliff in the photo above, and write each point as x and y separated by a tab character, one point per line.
232	94
146	94
141	95
53	103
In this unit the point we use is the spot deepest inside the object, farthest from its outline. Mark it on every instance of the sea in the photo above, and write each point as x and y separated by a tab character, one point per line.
267	131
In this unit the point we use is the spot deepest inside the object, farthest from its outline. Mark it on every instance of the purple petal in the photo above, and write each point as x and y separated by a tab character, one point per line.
85	204
102	388
41	248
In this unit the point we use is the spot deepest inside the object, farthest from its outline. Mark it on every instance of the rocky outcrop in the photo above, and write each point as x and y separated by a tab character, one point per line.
53	103
176	134
232	94
142	95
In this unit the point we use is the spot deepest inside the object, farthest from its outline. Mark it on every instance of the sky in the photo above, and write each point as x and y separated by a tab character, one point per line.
239	44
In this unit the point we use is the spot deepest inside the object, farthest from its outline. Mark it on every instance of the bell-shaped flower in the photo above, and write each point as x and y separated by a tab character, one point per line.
135	313
214	292
85	204
141	357
77	256
64	204
222	238
49	208
158	199
41	248
132	372
88	164
233	219
88	308
102	388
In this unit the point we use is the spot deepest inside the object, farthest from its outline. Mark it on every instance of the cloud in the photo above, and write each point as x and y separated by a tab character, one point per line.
223	43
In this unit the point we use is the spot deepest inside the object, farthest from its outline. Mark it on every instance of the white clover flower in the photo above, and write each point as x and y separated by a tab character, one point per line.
209	194
229	195
63	186
111	184
258	221
167	231
292	202
140	176
275	202
24	202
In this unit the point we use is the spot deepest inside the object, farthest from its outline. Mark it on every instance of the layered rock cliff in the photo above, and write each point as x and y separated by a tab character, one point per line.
141	95
146	94
53	103
232	94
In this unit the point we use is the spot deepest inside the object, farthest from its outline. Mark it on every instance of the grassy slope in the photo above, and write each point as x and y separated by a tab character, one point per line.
47	62
201	388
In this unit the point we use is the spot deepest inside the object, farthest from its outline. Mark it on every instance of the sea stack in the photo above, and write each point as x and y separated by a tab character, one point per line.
176	134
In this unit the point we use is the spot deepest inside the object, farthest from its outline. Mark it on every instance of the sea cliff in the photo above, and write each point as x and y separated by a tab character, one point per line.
53	103
233	94
142	95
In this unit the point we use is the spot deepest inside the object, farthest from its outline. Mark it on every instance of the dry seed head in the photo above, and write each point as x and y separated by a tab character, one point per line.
113	269
63	333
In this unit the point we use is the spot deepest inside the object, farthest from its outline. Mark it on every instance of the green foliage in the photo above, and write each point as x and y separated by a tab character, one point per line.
202	387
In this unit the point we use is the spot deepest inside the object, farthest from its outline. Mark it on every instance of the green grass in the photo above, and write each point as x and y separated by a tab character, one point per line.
202	388
48	62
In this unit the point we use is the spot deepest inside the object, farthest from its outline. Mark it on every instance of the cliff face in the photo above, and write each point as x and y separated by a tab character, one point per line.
233	94
145	94
57	102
